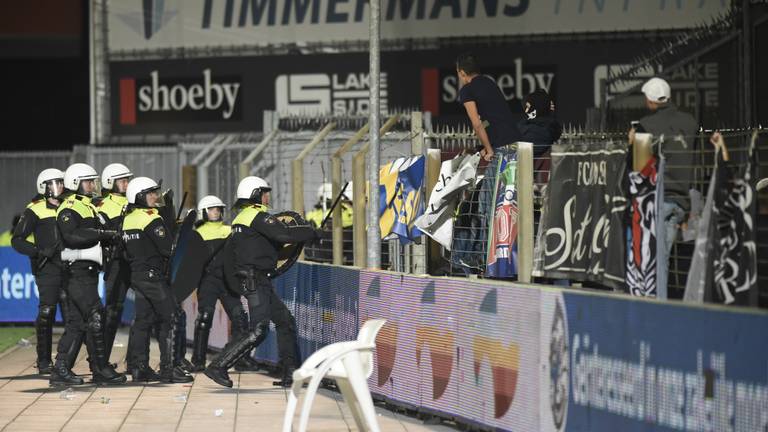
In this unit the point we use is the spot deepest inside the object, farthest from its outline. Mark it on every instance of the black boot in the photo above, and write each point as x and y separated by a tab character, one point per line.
62	376
103	372
111	324
247	364
44	330
217	370
62	371
169	371
131	362
200	344
143	373
240	326
180	341
287	378
75	352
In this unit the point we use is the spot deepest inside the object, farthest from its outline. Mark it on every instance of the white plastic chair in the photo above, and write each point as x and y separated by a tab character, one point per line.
350	364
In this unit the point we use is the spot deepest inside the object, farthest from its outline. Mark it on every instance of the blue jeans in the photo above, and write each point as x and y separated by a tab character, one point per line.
672	216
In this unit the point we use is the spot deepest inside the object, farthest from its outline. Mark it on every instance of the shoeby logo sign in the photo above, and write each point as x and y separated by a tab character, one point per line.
322	93
157	98
440	87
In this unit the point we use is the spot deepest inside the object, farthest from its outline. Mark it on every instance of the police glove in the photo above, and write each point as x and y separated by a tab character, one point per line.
108	235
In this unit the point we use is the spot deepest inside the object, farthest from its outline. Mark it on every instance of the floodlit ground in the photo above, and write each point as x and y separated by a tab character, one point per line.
28	404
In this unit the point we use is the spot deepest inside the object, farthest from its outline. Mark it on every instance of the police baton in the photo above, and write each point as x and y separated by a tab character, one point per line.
333	206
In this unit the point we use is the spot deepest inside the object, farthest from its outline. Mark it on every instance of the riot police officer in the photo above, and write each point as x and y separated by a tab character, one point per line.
81	228
323	205
148	244
117	271
253	250
37	236
212	287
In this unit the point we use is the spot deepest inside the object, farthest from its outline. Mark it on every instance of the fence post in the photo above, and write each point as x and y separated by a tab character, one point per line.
201	177
433	174
298	168
189	183
202	169
359	181
525	211
416	254
360	241
642	150
336	183
244	169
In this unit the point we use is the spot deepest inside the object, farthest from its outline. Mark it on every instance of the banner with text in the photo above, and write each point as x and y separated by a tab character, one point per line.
173	24
581	229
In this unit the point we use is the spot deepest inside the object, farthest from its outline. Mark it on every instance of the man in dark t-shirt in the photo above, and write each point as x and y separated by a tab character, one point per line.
493	121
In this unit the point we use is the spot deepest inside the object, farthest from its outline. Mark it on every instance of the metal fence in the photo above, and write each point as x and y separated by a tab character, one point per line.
218	167
19	172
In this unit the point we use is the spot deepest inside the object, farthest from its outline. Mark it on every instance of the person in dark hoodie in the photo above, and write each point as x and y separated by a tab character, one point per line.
540	126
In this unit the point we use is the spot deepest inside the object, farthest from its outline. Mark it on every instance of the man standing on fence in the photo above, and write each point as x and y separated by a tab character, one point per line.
493	121
496	126
675	132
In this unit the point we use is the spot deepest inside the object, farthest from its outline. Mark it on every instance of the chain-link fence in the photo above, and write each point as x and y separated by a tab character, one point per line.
217	165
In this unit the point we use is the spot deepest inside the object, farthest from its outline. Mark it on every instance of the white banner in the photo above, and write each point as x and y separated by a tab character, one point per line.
158	24
455	175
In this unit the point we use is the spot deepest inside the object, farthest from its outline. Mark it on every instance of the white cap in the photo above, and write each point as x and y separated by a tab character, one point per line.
657	90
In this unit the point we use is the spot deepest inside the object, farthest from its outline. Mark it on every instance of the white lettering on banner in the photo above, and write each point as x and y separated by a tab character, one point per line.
571	245
591	173
319	93
212	23
17	286
210	96
22	286
513	85
703	400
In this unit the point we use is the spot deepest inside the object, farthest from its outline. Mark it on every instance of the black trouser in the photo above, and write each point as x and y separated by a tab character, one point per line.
84	318
212	288
50	282
116	284
154	303
264	306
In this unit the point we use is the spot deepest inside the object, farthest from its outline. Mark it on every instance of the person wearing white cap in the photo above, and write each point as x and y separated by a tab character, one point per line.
675	132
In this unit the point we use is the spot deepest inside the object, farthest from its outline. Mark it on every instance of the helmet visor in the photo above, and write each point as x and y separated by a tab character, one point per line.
89	186
213	214
153	197
54	188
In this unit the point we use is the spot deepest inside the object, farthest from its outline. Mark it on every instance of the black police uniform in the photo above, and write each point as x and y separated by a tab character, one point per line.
117	271
81	228
37	236
212	288
253	248
148	244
